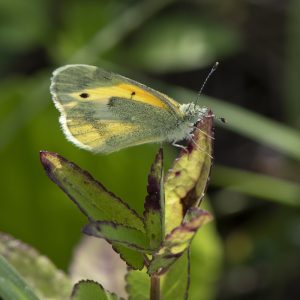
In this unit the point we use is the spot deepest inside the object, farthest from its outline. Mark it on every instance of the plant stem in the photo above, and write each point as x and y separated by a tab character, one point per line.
155	288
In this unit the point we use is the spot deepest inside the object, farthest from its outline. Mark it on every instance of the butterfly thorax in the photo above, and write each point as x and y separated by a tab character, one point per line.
191	114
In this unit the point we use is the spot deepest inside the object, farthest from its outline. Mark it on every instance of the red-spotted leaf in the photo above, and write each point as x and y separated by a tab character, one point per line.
177	241
186	181
154	204
118	234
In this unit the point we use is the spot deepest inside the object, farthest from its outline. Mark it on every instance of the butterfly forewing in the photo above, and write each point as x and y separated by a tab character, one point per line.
105	112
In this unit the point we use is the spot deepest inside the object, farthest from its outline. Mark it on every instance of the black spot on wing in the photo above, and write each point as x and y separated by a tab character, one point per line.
84	95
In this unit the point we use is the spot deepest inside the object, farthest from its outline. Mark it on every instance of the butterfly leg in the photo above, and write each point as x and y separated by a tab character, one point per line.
179	146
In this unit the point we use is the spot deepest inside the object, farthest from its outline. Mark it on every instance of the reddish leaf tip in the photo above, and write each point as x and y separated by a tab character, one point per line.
44	155
45	158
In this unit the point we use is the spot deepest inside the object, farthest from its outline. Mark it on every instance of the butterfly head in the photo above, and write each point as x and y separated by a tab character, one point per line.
193	112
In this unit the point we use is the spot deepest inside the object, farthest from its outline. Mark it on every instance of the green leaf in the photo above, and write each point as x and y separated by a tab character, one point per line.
118	234
175	282
154	204
97	203
12	285
178	240
90	290
187	179
133	259
93	199
38	271
137	285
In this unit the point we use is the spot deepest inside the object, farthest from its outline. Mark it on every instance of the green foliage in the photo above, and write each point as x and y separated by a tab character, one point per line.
155	203
38	271
178	240
92	198
119	234
133	258
206	251
84	290
175	283
110	218
187	179
12	285
137	285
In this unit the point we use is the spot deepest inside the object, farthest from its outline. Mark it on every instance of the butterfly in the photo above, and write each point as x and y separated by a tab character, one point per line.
104	112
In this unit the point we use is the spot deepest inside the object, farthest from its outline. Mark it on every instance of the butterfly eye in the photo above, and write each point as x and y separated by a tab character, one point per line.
84	95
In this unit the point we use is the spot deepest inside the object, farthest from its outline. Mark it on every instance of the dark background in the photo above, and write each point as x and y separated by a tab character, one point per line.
253	247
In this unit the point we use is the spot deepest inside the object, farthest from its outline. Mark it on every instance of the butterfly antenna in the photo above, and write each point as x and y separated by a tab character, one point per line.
212	70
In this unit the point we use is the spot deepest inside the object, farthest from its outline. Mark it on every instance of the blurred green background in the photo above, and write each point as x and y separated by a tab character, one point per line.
252	251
